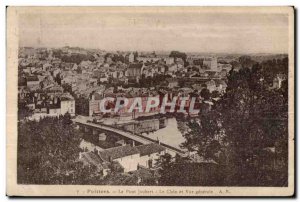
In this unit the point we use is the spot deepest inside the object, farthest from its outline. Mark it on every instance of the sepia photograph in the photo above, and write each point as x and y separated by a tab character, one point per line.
150	101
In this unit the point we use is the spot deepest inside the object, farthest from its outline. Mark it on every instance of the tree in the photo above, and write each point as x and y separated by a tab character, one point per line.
181	171
58	79
164	165
249	118
57	53
177	54
249	115
136	55
246	61
215	94
201	137
23	110
48	153
205	94
118	58
67	88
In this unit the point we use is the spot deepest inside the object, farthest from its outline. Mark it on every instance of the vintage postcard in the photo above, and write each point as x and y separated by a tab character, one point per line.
150	101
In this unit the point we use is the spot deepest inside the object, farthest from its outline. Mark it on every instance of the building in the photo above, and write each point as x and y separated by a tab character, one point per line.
94	103
33	82
172	82
227	67
148	71
127	156
53	110
124	111
210	64
131	57
92	158
149	154
173	68
221	86
131	158
211	85
47	67
134	70
169	60
67	104
145	59
50	104
142	126
103	79
277	81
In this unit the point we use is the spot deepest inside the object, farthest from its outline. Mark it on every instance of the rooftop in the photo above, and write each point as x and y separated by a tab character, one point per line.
67	98
118	152
136	65
93	159
150	149
32	78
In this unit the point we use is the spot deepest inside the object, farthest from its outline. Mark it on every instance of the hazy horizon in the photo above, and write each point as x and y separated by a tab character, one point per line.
192	32
161	51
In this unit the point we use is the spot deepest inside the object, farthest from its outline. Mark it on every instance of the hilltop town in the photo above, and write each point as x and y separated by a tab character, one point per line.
72	82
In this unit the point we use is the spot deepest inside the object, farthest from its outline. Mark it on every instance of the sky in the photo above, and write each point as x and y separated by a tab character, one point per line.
157	31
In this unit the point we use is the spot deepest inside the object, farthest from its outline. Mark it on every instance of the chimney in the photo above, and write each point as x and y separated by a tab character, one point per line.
133	143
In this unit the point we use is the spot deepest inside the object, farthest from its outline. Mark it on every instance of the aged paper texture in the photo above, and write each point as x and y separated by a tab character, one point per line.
150	101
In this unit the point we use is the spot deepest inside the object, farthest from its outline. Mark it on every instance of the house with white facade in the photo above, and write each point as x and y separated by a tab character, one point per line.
149	154
131	158
33	82
127	156
169	60
67	104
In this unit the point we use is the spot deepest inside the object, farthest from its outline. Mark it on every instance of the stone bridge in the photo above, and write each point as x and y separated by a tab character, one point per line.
96	128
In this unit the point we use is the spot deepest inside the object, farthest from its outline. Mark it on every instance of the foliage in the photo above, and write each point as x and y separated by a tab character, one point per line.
48	153
274	67
67	88
153	81
23	110
58	79
246	61
73	58
181	171
177	54
164	164
205	94
242	128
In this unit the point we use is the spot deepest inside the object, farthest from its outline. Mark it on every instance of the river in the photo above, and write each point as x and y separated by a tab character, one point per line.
169	135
